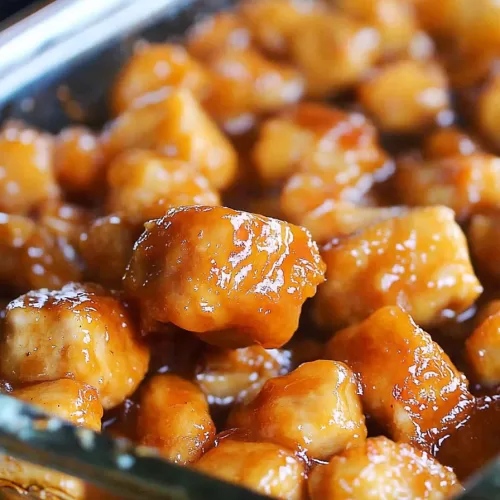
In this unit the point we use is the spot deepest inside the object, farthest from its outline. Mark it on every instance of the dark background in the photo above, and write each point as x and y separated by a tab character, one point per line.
11	7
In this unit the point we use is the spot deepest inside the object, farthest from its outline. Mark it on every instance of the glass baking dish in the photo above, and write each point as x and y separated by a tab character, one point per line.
56	68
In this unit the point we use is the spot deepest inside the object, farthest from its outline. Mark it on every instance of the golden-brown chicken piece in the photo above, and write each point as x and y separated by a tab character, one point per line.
234	278
222	31
334	51
313	410
337	219
482	350
79	331
405	96
487	114
106	248
173	416
418	261
422	396
439	17
153	67
245	83
229	376
263	467
448	142
27	171
67	399
78	161
144	185
467	184
484	235
274	23
316	138
381	468
175	125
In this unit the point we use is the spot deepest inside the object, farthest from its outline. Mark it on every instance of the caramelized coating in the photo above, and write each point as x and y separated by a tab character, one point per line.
173	417
418	261
155	66
246	83
228	376
484	234
222	31
334	51
381	468
422	397
144	185
67	399
80	331
26	169
467	184
316	138
108	240
487	116
78	161
405	96
448	142
482	350
337	219
263	467
313	410
234	278
489	309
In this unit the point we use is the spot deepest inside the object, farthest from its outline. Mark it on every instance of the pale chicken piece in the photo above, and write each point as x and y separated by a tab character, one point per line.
79	331
174	124
245	83
314	410
380	468
153	67
144	185
67	399
229	376
405	96
467	184
26	168
422	397
337	219
266	468
334	51
108	240
222	31
482	350
173	416
79	161
316	138
448	142
418	261
234	279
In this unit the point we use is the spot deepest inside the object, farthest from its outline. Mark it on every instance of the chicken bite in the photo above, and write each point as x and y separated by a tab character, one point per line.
418	261
263	467
155	66
173	416
381	468
144	185
234	278
405	96
313	410
448	142
423	396
484	234
27	169
79	331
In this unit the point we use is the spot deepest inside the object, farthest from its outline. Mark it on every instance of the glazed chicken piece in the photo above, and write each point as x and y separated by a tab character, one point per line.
233	278
314	410
487	116
229	376
79	331
144	185
422	397
153	67
467	184
27	168
418	261
263	467
380	468
173	416
448	142
484	234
